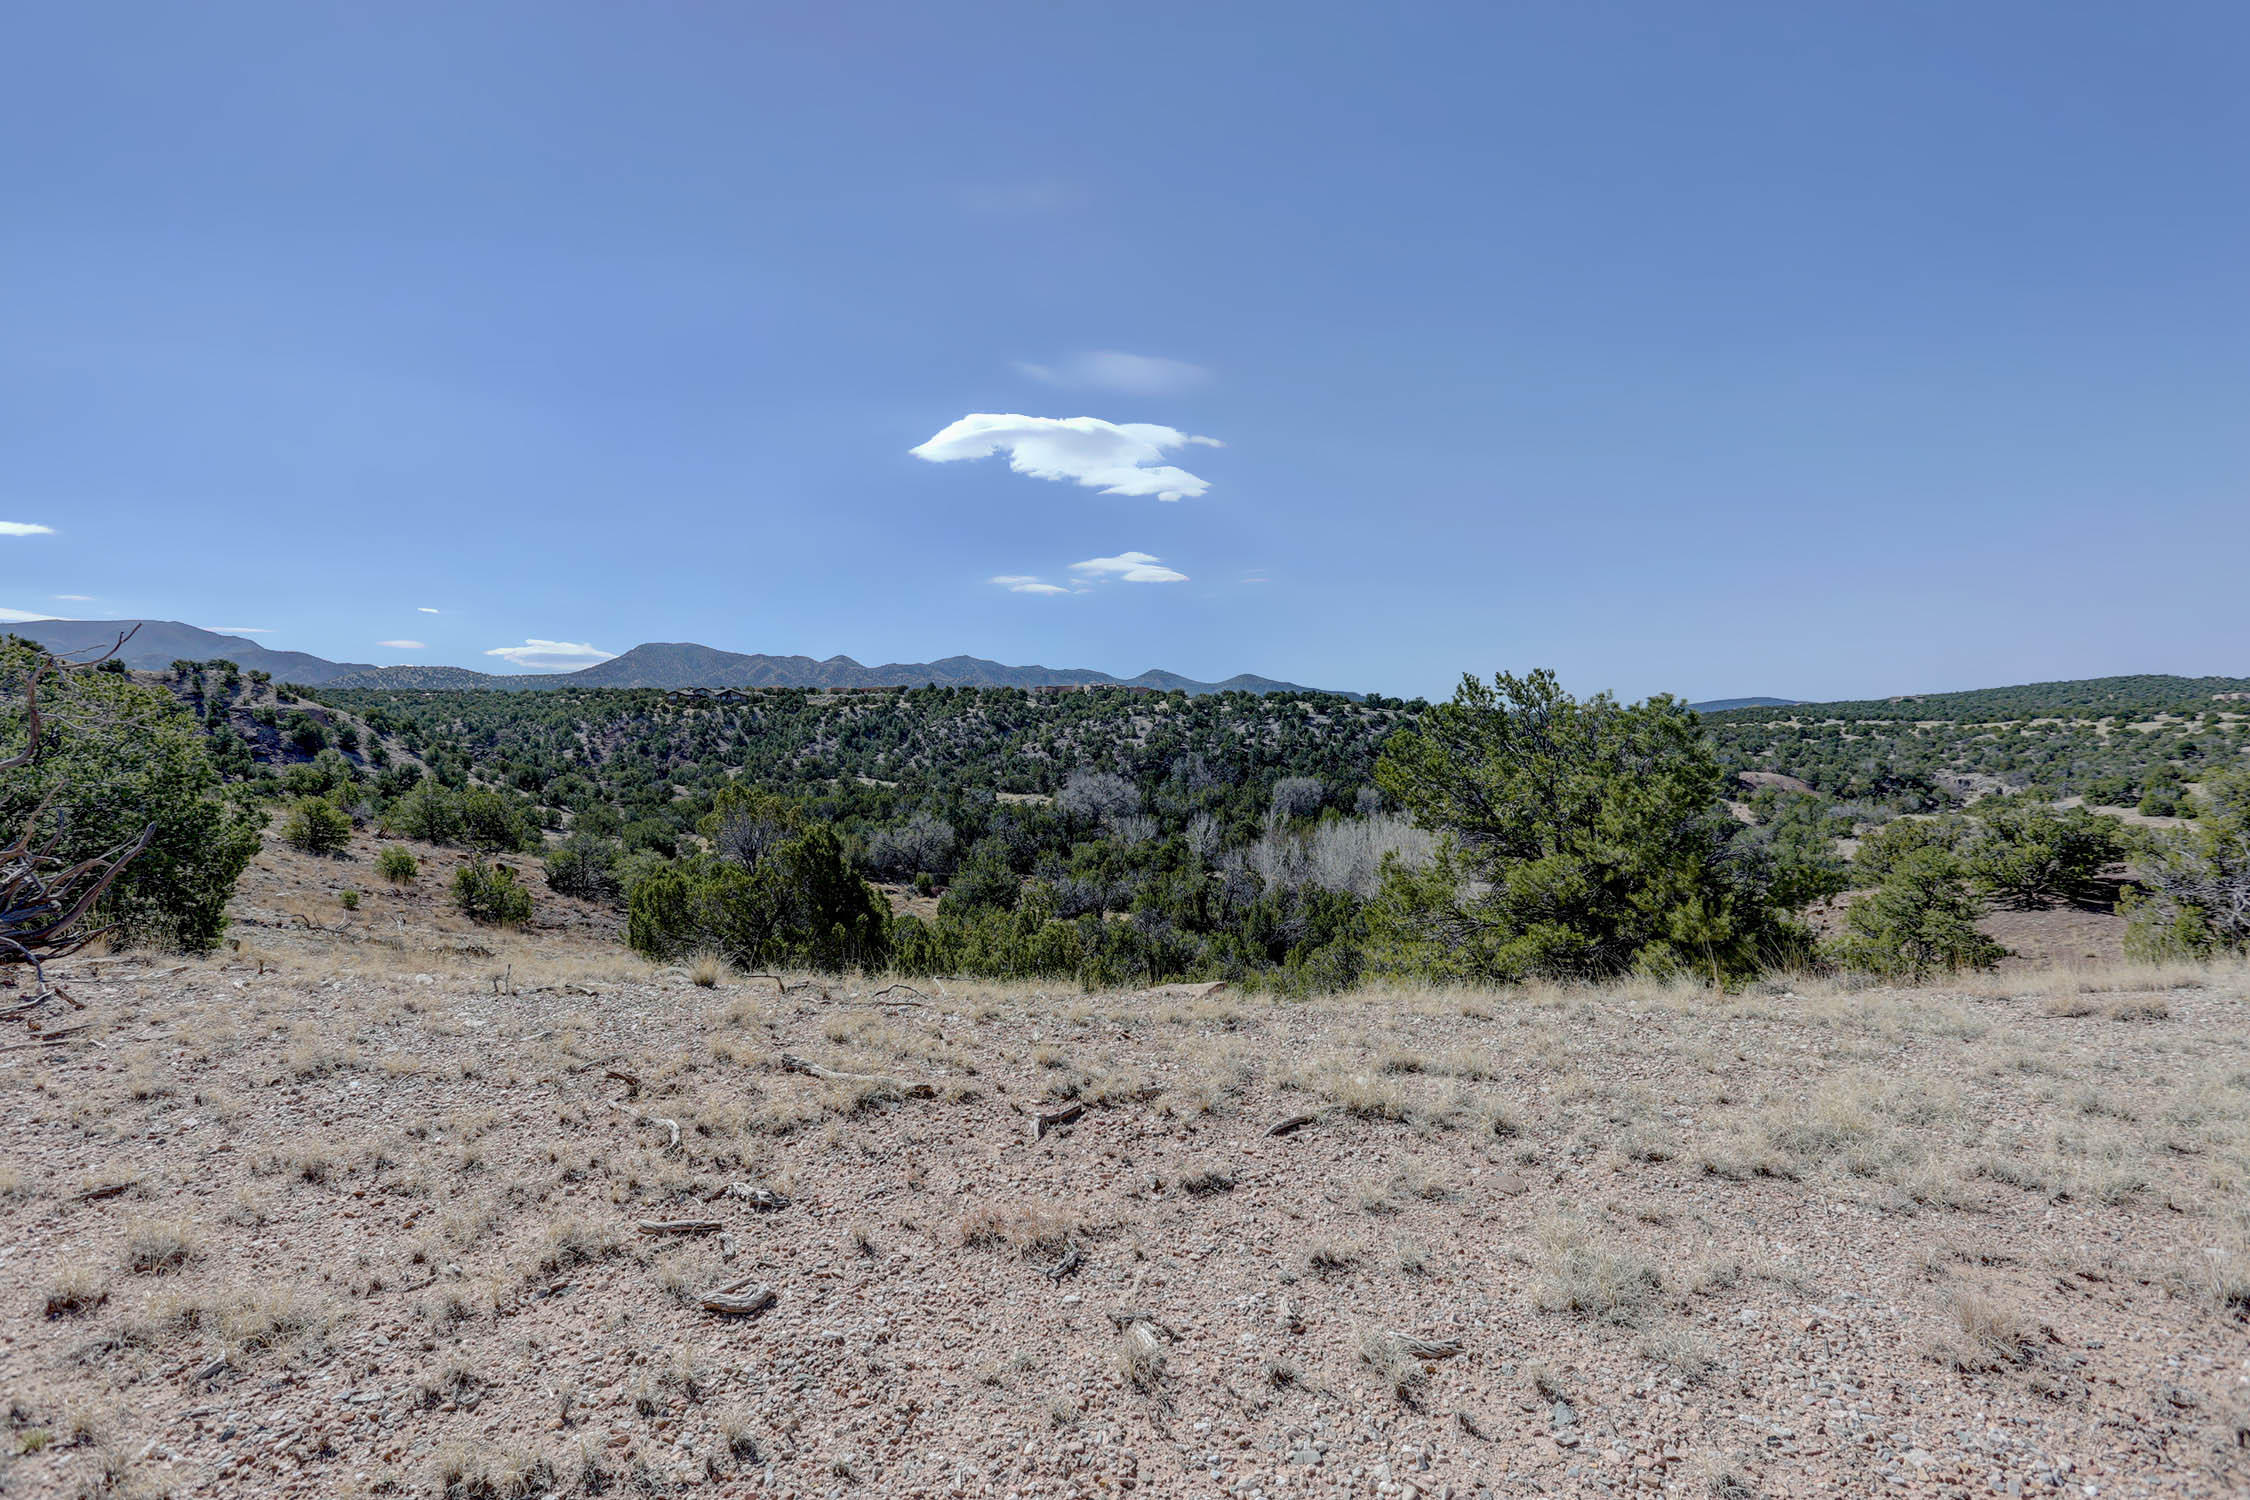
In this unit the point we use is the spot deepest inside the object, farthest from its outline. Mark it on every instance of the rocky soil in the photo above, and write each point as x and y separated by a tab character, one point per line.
362	1206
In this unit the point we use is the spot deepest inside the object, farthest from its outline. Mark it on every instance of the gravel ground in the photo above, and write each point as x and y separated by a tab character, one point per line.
356	1209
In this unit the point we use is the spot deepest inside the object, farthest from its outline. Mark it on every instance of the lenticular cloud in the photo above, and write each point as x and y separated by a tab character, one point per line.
1117	458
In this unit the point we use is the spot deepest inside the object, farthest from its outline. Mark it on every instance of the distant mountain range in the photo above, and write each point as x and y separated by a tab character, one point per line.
159	643
655	665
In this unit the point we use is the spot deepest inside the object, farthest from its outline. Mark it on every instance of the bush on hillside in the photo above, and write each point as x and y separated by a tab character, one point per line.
2028	853
585	867
317	826
491	894
1922	920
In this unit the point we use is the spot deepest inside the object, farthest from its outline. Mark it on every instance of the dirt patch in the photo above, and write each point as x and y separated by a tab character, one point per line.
373	1220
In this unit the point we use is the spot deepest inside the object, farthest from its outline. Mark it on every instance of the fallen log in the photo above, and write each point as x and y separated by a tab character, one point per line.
114	1190
681	1226
740	1299
1058	1119
907	1087
1292	1125
1421	1348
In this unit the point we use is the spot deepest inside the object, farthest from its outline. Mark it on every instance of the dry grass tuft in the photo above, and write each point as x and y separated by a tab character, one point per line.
74	1290
1991	1335
1582	1278
154	1246
1140	1357
1042	1230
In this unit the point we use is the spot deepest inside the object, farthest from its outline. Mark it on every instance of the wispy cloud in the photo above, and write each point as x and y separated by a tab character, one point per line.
1256	575
551	656
1027	583
424	609
240	629
1131	567
1114	370
75	598
25	528
405	645
1117	458
19	616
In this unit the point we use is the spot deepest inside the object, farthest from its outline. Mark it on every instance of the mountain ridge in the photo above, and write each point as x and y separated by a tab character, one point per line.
652	664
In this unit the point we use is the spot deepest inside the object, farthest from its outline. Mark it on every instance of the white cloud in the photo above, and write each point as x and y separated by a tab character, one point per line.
1025	583
551	656
1128	374
1117	458
76	598
25	528
424	609
1133	567
18	616
240	629
405	645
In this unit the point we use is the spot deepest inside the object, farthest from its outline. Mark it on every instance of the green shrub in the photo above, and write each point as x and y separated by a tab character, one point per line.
1887	847
1577	840
2193	889
492	894
396	865
2031	854
349	898
318	826
492	823
427	812
584	866
132	759
303	733
802	905
1921	920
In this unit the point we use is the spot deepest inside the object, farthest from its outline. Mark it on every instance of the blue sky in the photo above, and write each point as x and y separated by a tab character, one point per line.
1814	350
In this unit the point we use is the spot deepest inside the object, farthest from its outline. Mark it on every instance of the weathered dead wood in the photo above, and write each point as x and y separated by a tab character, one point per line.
1293	1124
1421	1348
113	1190
919	997
681	1226
764	1199
46	1041
908	1088
1057	1119
790	987
1071	1261
632	1083
740	1299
